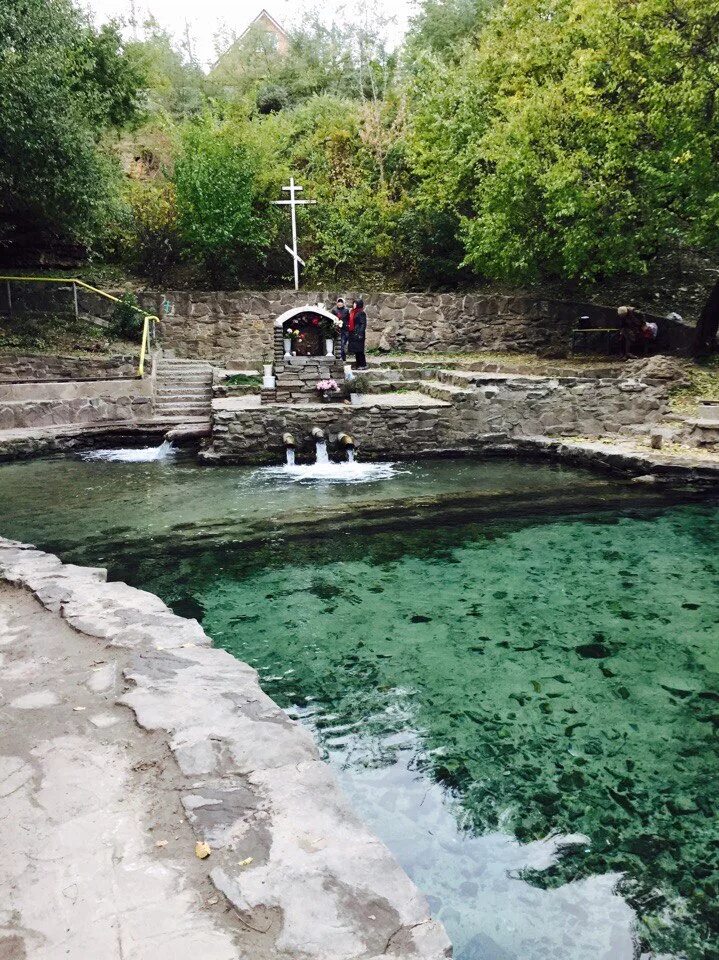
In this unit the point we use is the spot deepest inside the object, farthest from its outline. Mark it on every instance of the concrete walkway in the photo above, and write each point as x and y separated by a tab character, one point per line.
97	856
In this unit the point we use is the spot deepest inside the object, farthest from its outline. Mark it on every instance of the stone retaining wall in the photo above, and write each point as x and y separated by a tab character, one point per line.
255	435
530	406
36	367
238	324
31	406
297	378
501	405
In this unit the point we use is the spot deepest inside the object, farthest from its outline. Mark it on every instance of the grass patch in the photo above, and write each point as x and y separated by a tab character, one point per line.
701	382
59	334
243	380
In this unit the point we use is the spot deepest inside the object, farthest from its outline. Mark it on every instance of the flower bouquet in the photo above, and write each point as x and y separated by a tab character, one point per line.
327	388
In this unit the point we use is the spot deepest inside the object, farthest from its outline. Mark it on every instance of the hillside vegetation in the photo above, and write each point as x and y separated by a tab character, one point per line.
564	143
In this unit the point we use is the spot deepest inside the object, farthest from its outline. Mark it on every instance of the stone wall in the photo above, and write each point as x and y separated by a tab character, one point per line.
58	404
255	435
297	377
36	367
494	406
238	325
532	406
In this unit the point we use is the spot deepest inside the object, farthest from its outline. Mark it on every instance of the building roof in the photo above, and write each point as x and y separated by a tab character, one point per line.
262	16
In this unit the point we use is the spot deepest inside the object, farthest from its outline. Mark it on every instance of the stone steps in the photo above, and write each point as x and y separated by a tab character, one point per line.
183	410
183	389
177	393
445	391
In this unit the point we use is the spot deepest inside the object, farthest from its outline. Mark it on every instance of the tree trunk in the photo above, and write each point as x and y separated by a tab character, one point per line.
705	334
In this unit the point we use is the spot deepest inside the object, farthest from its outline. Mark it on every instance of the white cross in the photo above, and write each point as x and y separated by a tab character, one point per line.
292	203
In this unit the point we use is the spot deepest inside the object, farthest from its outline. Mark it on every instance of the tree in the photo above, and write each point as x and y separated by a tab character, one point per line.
64	84
705	335
224	221
574	139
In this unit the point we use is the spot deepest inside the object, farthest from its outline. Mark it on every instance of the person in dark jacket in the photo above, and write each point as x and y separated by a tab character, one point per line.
357	327
342	313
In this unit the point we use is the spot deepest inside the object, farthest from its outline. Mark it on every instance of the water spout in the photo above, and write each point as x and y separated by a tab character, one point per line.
317	433
346	441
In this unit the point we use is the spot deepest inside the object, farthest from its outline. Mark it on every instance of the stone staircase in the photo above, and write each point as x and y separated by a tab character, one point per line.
183	390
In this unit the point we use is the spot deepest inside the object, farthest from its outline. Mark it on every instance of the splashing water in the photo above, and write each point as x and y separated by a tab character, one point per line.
329	472
165	451
350	455
321	456
290	456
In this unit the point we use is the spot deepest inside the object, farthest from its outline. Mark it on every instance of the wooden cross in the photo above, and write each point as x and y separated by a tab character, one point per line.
292	203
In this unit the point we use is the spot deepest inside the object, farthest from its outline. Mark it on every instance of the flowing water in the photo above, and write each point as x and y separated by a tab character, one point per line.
321	455
164	451
511	667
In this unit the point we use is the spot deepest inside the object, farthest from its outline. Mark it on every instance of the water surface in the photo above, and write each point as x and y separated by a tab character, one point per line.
521	702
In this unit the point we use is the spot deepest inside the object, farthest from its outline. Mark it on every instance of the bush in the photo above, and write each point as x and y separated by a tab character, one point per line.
152	242
223	220
127	321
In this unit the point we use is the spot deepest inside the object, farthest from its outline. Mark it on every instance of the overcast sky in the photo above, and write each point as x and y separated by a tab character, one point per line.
204	17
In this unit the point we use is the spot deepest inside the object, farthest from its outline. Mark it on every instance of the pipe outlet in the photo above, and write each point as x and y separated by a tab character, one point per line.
345	440
288	440
317	433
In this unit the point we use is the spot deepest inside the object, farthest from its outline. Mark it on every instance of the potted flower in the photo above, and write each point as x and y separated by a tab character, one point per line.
327	388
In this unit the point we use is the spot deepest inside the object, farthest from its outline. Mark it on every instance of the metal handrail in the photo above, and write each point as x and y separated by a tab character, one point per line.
148	317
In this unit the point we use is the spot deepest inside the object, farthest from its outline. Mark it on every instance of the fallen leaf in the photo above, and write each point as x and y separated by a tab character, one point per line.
161	843
202	849
77	709
246	862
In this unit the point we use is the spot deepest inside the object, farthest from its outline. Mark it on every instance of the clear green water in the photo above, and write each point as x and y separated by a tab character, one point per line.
522	703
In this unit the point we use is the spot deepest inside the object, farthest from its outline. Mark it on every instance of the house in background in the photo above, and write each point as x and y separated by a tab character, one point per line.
263	38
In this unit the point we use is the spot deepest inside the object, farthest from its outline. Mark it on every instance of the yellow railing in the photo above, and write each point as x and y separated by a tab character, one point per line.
148	317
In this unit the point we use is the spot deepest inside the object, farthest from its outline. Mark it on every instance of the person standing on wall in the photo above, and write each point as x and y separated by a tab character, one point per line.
357	328
342	313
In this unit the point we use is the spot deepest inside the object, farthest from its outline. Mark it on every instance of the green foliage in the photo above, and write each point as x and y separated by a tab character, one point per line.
127	320
172	85
577	138
223	221
151	243
442	27
63	85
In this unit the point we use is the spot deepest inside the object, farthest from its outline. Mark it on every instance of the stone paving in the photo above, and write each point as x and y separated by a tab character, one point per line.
97	854
101	812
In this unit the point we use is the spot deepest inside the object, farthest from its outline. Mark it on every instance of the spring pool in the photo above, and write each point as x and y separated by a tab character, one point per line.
511	667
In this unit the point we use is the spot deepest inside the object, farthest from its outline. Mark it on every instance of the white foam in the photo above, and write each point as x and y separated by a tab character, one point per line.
331	472
133	455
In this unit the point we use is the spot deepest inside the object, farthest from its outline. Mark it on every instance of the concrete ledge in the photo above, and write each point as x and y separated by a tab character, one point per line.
319	884
684	472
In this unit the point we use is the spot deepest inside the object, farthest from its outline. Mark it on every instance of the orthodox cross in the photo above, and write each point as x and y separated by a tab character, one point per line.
292	203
